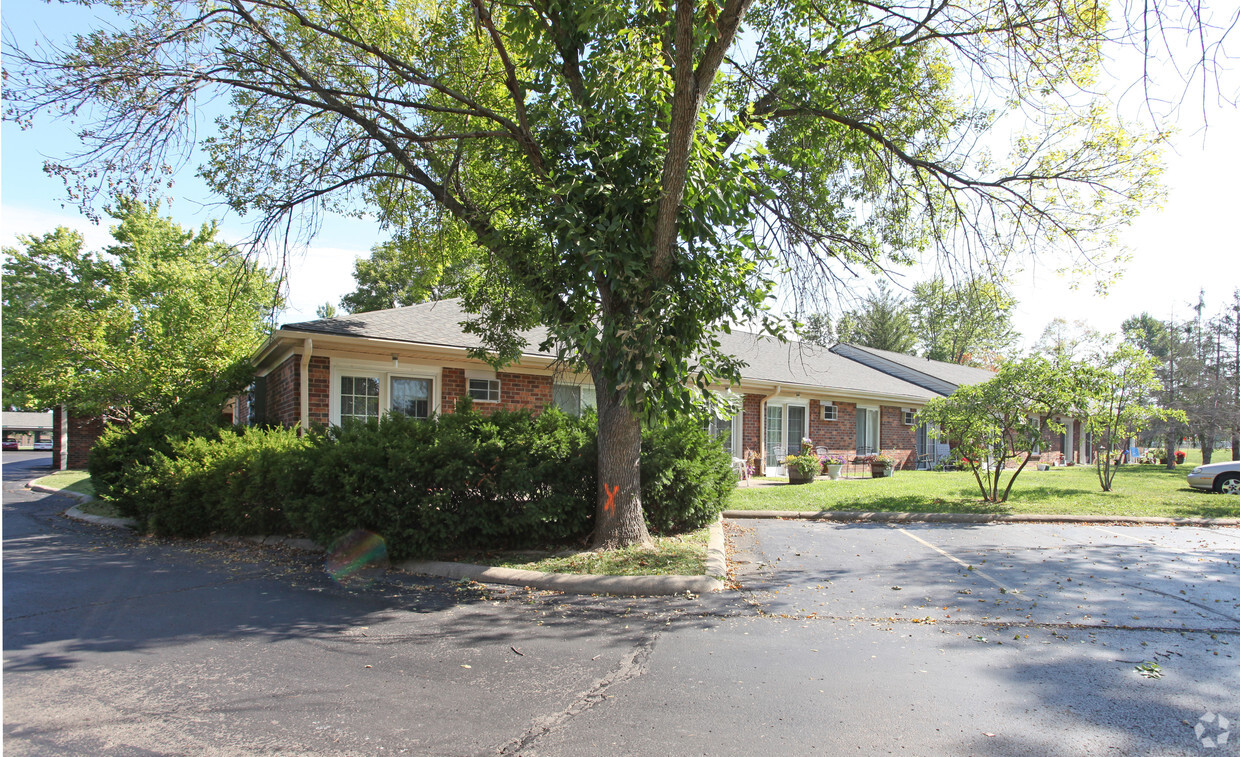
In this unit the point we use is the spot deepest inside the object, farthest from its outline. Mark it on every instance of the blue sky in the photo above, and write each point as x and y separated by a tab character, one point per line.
1189	244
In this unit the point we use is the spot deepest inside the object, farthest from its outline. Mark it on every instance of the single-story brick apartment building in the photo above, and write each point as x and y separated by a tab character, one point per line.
414	360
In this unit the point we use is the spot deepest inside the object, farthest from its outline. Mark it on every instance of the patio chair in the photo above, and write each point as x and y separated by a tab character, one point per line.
742	470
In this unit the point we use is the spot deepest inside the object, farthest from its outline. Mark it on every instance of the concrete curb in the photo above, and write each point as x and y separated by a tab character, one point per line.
716	569
76	513
859	516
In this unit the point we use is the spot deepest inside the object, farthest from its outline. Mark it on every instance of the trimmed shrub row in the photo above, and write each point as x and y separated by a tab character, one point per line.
457	481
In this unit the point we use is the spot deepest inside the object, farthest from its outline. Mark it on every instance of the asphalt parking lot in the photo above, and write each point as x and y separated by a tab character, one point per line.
1165	578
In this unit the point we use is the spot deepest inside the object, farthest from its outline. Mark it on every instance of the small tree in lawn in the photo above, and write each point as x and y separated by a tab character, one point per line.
1005	419
1121	404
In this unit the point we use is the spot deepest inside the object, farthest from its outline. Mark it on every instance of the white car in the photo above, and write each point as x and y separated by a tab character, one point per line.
1219	477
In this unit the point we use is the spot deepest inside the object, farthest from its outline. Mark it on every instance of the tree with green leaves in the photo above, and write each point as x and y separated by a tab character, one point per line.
1005	419
430	258
634	176
1064	340
159	315
1122	405
968	322
882	321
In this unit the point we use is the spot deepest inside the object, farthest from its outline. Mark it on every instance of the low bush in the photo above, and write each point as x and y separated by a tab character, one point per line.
687	476
120	461
458	481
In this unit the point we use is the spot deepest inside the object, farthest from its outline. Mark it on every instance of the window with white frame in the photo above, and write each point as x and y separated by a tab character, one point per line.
724	423
573	398
867	430
359	398
484	389
830	412
411	396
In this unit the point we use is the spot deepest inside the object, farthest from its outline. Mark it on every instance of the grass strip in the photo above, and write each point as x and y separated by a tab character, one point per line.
680	555
1140	490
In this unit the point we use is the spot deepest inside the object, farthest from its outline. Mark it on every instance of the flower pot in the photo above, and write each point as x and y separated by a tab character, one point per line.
797	477
835	472
882	471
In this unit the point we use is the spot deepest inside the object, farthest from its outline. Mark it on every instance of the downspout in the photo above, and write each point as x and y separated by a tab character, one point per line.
306	352
762	423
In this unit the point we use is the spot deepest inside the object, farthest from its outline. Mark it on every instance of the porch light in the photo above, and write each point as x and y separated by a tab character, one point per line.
395	360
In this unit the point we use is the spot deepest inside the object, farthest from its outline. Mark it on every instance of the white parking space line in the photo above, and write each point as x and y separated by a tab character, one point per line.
1166	547
976	571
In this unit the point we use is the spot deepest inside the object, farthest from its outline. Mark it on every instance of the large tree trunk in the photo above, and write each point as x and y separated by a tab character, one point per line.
619	520
1235	447
1171	441
1207	448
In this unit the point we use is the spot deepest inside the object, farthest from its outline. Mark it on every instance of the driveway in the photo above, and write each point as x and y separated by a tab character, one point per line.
1041	575
120	645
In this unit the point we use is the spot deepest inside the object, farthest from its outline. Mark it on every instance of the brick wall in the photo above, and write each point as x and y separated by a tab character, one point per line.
284	393
320	389
241	410
751	426
897	439
838	436
453	389
521	391
517	391
83	431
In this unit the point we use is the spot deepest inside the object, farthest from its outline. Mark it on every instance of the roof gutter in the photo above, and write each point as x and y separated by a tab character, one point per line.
306	353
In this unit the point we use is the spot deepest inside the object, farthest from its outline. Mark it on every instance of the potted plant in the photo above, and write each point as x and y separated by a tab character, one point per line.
803	467
833	464
882	466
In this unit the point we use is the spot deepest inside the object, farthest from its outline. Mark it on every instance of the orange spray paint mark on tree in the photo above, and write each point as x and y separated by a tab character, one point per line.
610	505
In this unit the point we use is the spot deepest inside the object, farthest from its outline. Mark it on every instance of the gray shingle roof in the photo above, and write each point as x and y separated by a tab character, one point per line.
769	360
435	323
796	362
957	375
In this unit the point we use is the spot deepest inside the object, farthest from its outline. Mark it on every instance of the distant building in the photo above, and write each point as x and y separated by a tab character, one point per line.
28	429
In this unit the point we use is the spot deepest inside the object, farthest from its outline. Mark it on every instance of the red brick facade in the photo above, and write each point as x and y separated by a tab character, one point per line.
523	391
751	427
518	391
320	389
284	393
838	436
82	432
454	388
897	439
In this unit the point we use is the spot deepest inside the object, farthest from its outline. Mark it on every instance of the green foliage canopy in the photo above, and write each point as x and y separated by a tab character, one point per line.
968	322
635	174
1122	404
160	315
1006	418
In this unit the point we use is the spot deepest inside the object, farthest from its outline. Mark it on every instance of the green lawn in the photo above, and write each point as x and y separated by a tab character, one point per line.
683	555
71	480
79	481
1138	490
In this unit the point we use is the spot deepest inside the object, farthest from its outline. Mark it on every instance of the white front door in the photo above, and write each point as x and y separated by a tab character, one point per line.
786	426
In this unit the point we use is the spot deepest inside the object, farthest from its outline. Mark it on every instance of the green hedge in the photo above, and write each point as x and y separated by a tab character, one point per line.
458	481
